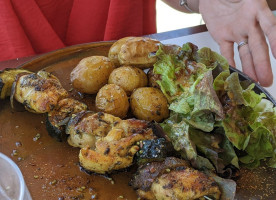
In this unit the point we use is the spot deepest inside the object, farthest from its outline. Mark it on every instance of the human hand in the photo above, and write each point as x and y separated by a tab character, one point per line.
230	21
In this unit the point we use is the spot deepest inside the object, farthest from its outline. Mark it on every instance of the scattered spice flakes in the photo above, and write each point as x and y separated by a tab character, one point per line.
14	152
37	137
111	180
81	189
18	144
257	183
53	183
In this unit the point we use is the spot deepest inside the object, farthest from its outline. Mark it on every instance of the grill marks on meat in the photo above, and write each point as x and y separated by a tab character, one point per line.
38	92
173	179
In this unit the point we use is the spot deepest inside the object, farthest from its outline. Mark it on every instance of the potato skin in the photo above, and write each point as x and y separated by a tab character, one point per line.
128	78
91	74
149	103
135	52
112	99
115	50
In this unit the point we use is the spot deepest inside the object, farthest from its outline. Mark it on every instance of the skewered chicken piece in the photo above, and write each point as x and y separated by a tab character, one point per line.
173	179
116	150
85	128
7	77
38	92
108	143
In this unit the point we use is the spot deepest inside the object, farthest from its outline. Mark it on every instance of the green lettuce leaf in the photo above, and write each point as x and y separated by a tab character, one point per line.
250	121
211	59
259	147
201	108
178	131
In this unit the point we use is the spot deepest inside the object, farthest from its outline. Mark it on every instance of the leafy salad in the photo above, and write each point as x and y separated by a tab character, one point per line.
216	121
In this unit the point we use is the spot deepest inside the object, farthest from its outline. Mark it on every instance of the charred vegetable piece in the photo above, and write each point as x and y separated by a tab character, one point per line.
153	150
38	92
7	77
58	118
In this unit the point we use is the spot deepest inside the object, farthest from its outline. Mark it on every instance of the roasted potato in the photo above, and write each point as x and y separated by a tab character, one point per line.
128	78
112	99
91	74
136	51
149	103
115	49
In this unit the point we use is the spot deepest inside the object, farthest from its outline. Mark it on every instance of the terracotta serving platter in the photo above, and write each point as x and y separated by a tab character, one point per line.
51	168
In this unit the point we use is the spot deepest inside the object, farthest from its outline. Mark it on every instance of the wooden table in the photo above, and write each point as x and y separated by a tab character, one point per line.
159	36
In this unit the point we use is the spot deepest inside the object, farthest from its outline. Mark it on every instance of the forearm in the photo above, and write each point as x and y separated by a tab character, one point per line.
193	5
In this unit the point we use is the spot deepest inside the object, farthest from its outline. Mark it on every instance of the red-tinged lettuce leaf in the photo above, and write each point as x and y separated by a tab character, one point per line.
178	132
202	107
216	148
211	59
206	98
267	118
234	90
249	123
219	82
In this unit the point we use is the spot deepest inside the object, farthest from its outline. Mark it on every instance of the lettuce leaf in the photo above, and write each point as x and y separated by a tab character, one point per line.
214	122
259	147
211	59
250	121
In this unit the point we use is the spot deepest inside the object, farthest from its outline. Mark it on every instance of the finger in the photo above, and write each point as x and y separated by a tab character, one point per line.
247	62
226	49
260	54
268	24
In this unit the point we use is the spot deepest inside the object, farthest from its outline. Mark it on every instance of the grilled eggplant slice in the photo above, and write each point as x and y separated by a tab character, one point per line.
7	77
153	150
38	92
58	118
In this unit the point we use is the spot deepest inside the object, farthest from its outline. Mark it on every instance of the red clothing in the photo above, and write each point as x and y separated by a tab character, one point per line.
37	26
